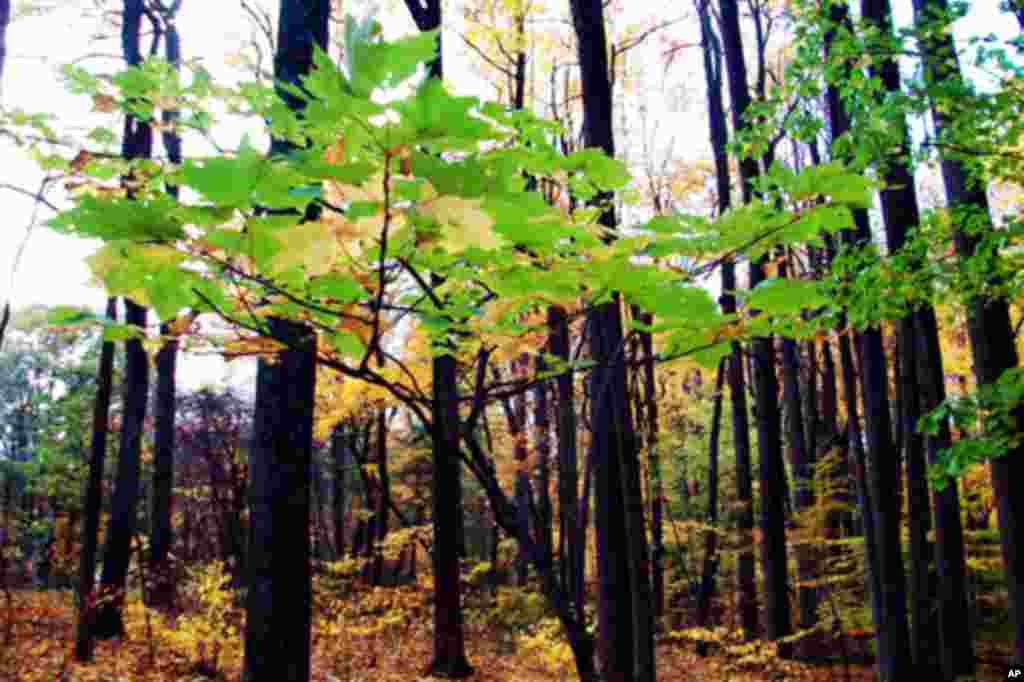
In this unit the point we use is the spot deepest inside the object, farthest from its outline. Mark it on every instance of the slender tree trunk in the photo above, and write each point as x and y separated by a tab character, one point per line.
745	569
656	491
449	641
769	432
93	498
542	422
124	503
161	536
137	144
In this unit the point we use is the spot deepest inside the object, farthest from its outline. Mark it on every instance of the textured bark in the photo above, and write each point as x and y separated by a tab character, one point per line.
625	621
93	498
279	598
988	321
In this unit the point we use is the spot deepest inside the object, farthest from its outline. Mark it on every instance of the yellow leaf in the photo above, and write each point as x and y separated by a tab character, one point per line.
311	245
466	224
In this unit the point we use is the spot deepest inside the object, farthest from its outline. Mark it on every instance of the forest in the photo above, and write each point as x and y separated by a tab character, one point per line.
572	340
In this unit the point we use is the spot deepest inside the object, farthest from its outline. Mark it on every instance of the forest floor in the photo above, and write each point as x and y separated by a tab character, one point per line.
37	635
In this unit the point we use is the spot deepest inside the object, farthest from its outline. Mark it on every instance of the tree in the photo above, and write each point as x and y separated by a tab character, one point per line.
279	598
161	534
769	434
137	143
625	617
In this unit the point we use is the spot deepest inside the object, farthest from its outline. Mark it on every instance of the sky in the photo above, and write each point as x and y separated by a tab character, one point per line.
52	270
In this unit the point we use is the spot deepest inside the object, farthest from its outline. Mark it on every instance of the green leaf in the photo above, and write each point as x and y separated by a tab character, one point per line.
783	296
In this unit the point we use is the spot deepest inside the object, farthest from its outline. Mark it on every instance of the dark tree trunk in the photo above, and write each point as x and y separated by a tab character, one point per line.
656	489
93	497
5	21
449	658
279	597
137	144
771	465
161	537
124	503
542	422
745	569
624	607
988	325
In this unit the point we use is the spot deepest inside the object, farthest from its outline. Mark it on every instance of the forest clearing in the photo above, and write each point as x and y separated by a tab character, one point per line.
427	353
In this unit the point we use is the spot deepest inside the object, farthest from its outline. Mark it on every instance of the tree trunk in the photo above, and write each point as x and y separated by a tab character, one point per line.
769	432
137	143
624	607
449	641
161	537
93	498
656	490
745	569
279	597
124	503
